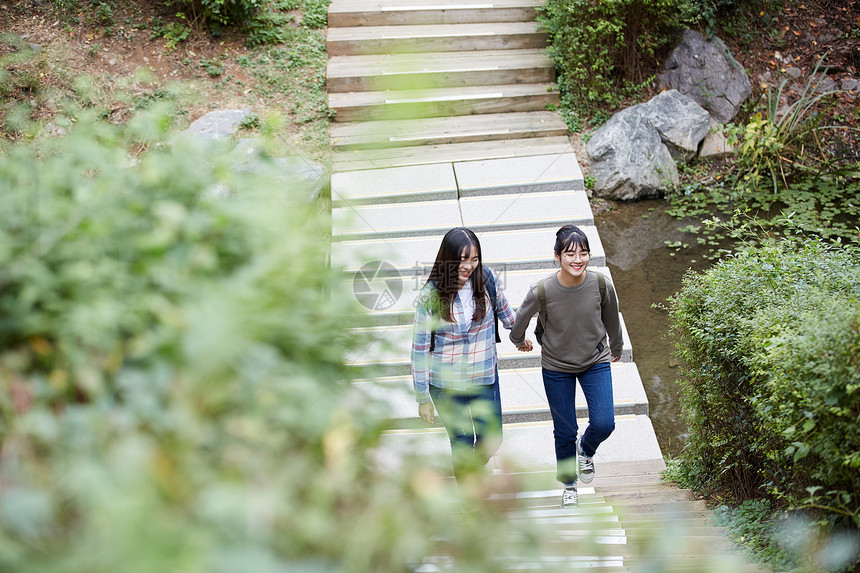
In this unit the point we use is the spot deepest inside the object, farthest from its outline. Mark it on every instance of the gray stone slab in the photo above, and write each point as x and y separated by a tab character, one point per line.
526	210
513	284
400	219
507	250
522	392
395	184
510	357
409	255
531	446
527	446
391	346
553	172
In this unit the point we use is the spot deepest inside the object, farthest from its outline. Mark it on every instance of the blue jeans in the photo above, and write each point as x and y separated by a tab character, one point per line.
473	420
596	383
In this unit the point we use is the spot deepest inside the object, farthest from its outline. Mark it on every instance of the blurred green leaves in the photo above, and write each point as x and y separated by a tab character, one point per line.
174	394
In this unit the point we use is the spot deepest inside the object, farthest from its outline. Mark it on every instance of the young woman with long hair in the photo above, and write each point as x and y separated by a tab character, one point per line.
454	361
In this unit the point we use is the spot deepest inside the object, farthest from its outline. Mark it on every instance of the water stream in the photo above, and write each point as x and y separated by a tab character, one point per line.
647	272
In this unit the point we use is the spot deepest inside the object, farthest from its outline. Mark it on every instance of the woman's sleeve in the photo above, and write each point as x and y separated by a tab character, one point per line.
612	320
527	310
421	331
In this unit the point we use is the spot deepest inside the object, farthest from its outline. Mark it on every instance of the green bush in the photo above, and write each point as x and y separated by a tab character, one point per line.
600	48
219	13
173	388
769	340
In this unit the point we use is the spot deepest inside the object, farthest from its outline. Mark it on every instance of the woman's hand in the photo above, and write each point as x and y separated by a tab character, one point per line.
615	358
526	346
426	412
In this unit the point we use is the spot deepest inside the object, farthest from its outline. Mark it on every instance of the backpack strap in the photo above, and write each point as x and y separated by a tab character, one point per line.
490	283
541	320
541	289
601	285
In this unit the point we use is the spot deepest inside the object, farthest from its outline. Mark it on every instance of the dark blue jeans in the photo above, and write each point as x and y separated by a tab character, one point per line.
596	383
473	420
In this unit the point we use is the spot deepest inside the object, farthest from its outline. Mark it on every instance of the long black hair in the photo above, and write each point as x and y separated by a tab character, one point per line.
569	237
445	272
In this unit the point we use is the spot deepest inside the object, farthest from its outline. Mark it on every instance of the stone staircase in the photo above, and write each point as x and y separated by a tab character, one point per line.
441	122
413	81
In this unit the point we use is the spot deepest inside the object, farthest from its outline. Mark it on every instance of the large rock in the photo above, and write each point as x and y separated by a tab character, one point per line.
681	123
705	71
628	158
218	125
716	144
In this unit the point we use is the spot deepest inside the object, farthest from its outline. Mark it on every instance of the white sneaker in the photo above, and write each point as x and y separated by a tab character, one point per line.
586	464
569	496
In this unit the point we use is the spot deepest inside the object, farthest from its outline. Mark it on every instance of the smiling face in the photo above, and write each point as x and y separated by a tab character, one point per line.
573	262
468	263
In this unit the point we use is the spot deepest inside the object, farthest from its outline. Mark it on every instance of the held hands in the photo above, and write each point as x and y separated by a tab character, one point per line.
526	346
426	412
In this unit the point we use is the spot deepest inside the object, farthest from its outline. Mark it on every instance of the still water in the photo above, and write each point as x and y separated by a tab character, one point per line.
646	272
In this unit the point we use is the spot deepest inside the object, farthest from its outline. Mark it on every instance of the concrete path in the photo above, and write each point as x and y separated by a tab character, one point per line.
441	123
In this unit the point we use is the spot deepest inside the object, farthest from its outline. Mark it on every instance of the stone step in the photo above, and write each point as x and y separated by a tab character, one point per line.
347	13
388	349
526	211
510	249
606	541
526	446
514	284
373	72
639	487
441	102
508	149
482	213
536	173
394	185
445	130
389	221
423	38
649	496
611	474
523	397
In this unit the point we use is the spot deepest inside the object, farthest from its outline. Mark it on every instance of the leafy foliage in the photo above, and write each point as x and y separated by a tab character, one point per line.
219	13
174	388
772	144
781	177
602	47
771	382
753	525
174	31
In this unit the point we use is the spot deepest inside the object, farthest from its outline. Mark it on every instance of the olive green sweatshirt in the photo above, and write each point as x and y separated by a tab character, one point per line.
576	327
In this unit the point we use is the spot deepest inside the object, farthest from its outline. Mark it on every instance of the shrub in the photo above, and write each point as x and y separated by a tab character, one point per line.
219	13
599	47
770	382
173	389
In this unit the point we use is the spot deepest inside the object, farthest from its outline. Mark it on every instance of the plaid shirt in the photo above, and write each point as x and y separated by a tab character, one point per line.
465	351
